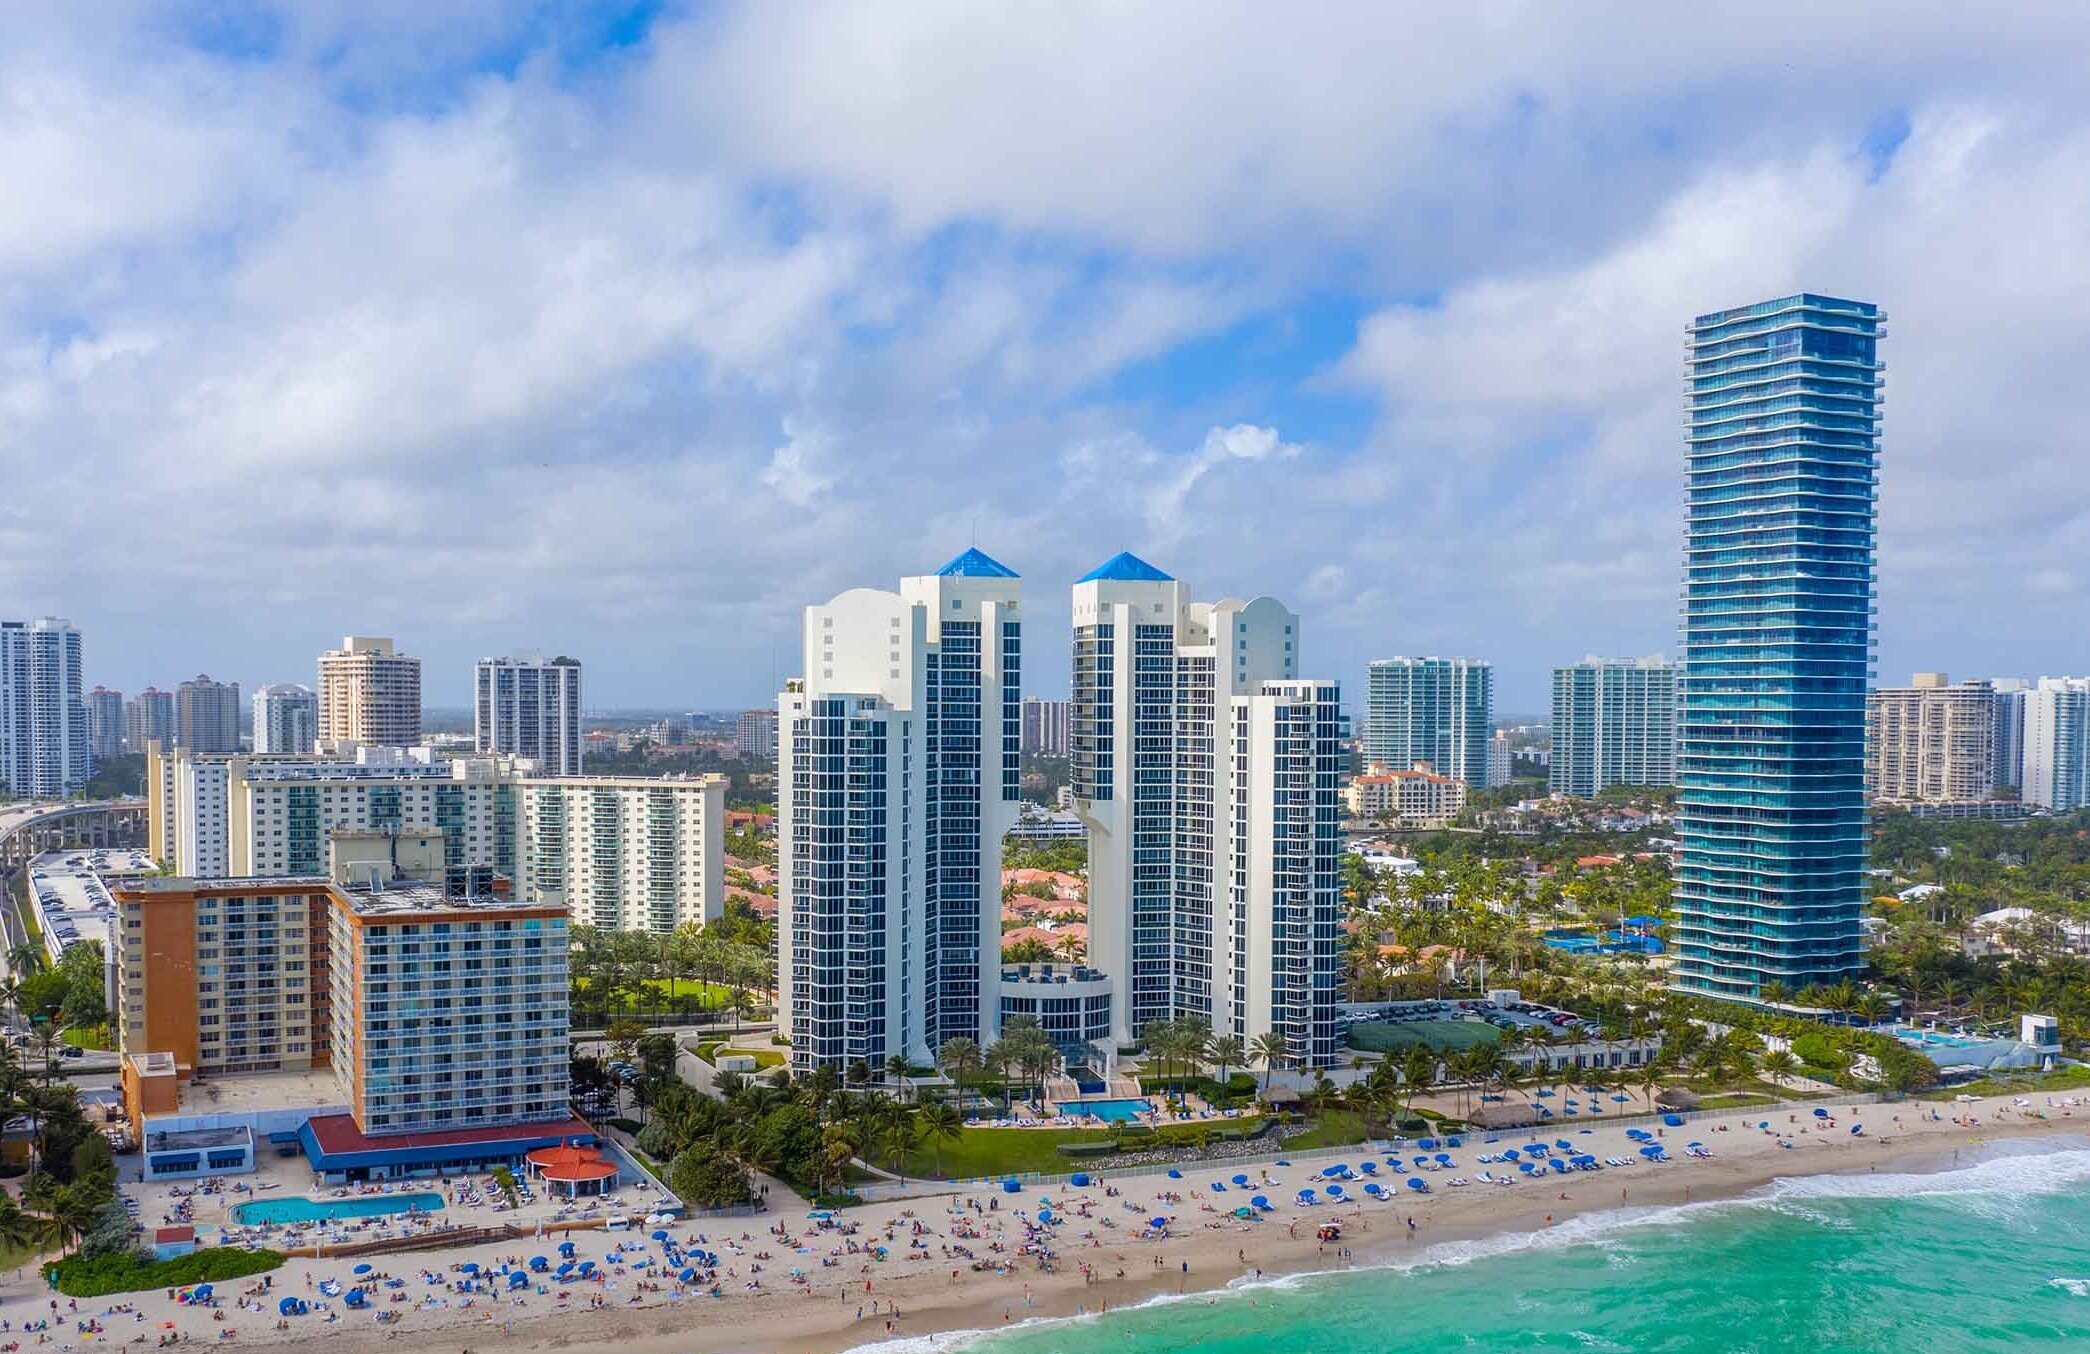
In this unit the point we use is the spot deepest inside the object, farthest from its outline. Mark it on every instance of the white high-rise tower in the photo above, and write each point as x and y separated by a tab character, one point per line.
897	774
1205	770
44	748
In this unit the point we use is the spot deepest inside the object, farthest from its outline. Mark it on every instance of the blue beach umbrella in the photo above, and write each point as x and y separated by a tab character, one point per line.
660	1234
288	1307
687	1276
363	1269
1306	1196
1821	1114
1261	1201
1335	1191
1079	1179
1174	1174
1418	1184
518	1280
1012	1187
1240	1179
1368	1167
566	1248
1157	1222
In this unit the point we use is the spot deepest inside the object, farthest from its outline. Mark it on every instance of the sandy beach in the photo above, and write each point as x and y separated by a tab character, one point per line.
1106	1255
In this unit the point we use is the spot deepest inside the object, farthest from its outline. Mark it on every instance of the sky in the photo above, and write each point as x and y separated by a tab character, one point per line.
628	330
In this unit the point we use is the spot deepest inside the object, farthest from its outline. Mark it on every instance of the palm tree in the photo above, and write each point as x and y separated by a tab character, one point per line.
899	1137
896	1070
1652	1073
960	1058
1270	1049
1225	1052
942	1123
1779	1065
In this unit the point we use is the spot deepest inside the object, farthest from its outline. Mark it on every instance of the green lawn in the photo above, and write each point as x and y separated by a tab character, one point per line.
2018	1083
1337	1128
1019	1151
1374	1036
95	1037
1737	1100
764	1058
708	994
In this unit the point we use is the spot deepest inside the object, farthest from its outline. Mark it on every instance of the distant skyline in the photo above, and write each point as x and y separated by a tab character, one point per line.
627	330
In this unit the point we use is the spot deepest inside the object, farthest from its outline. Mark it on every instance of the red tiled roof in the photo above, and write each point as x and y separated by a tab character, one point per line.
338	1133
163	1235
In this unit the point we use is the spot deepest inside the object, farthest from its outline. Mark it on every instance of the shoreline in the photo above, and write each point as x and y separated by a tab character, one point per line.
1206	1250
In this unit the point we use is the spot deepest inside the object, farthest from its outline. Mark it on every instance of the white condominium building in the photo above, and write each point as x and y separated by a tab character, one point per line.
286	720
148	718
105	723
754	735
1614	723
2010	730
1206	773
1435	710
45	752
530	706
1931	742
1045	727
898	776
369	694
2057	743
620	852
626	853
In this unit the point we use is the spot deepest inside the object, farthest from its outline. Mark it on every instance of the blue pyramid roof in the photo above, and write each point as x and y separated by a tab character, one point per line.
1125	567
976	563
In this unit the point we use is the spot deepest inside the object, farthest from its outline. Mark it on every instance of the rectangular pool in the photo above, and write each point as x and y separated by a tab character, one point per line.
1111	1111
297	1209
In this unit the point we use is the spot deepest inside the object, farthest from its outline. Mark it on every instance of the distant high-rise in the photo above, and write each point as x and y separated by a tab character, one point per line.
1931	742
896	779
1435	710
44	748
1777	645
2010	730
148	718
1614	723
206	715
1045	726
530	706
105	723
286	719
754	735
2057	743
369	694
1205	770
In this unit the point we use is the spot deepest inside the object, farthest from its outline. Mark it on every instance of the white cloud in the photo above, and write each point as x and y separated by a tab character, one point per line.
795	471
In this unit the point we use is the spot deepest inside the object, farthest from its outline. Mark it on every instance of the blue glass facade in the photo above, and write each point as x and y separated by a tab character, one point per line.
1777	644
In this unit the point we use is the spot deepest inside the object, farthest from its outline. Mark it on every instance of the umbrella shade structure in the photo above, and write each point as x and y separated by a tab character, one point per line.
1079	1179
540	1263
1821	1113
1564	1145
1651	1151
1369	1167
1527	1167
1418	1184
203	1290
1335	1191
1240	1179
1218	1187
1282	1162
587	1266
469	1267
291	1307
687	1276
1620	1099
1857	1128
518	1280
1044	1215
1261	1201
1444	1157
355	1297
1510	1154
1306	1196
1454	1141
363	1269
1157	1223
564	1270
1673	1120
660	1234
566	1248
1427	1144
1174	1174
1012	1187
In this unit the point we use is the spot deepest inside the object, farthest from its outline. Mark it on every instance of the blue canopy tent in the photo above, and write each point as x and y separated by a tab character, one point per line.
1079	1179
1012	1187
1673	1120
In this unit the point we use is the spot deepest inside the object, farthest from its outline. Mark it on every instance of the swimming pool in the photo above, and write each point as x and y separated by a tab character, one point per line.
1932	1039
296	1209
1114	1111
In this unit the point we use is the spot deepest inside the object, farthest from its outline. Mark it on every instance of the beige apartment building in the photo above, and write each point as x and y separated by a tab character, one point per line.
369	693
1417	798
1931	742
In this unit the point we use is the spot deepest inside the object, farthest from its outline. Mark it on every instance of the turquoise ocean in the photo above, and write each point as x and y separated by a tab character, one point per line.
1993	1255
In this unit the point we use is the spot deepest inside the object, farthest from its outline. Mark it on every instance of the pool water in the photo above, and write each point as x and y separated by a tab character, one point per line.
1112	1111
295	1209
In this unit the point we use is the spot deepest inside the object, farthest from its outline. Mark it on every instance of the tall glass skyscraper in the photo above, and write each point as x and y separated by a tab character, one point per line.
1777	644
